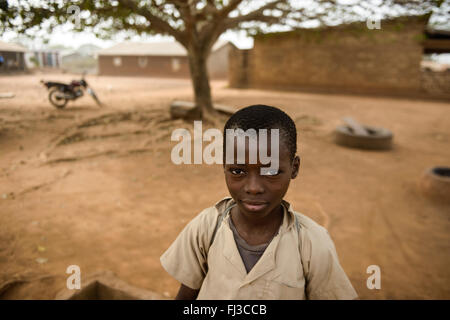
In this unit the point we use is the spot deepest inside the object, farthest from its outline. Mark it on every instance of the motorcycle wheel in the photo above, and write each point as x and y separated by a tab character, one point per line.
57	98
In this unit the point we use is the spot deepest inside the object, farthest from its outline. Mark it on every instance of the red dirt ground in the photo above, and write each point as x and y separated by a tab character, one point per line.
105	196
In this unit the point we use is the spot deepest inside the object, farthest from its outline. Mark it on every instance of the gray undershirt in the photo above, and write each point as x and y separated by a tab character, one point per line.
249	254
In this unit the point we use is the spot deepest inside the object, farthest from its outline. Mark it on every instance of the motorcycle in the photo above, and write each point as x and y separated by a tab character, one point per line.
60	93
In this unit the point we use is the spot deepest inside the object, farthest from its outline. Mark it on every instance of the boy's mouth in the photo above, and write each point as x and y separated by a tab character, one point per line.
254	206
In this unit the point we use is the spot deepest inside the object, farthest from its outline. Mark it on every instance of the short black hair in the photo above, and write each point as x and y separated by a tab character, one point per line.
264	117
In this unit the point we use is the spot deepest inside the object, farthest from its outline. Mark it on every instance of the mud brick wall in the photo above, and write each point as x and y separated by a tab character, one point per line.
349	58
238	71
218	63
436	83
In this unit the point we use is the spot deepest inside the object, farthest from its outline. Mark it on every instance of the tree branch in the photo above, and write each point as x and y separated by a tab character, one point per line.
156	23
257	15
231	6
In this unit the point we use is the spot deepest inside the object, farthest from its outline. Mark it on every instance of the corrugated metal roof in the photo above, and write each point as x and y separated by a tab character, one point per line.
145	49
5	46
150	49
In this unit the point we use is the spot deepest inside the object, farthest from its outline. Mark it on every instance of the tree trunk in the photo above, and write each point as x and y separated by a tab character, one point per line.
200	81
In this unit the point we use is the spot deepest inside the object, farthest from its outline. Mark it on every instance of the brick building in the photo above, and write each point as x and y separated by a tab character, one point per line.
162	59
347	58
42	59
12	56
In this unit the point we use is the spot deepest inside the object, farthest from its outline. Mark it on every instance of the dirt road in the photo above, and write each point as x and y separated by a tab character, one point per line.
96	187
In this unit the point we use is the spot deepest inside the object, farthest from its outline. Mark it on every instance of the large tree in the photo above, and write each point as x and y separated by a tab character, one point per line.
195	24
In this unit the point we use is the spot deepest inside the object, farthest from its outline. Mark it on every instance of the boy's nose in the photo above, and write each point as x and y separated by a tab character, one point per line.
253	184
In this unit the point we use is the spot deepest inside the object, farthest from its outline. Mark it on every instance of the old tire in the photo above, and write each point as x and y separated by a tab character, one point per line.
435	184
377	139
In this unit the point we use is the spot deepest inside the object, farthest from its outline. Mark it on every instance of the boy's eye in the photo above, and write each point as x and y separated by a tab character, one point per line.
237	172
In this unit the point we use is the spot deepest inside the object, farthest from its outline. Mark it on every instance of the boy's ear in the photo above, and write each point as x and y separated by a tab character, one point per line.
295	167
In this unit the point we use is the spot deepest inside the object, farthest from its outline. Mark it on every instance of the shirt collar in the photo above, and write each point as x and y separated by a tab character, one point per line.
288	218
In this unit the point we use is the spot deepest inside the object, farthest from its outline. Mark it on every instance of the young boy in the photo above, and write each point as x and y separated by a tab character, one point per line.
254	245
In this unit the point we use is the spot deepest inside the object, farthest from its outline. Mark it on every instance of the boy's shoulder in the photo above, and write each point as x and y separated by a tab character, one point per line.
308	228
305	222
312	236
211	213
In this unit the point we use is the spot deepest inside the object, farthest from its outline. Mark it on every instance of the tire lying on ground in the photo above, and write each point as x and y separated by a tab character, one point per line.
376	139
435	184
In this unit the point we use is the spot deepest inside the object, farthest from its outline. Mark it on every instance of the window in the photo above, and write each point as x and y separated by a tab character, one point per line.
142	62
117	61
175	64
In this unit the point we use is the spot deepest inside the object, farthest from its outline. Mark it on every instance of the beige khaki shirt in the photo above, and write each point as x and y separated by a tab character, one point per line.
219	272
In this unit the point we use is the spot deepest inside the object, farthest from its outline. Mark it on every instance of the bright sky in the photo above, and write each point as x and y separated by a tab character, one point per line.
63	35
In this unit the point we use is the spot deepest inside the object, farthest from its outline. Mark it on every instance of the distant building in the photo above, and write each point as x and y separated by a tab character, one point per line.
89	50
42	59
83	59
163	59
12	57
437	41
436	75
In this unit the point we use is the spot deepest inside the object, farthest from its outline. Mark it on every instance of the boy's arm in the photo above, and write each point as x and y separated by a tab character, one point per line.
186	293
326	278
186	258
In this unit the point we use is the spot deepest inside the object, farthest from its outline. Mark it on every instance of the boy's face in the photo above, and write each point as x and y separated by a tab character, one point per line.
257	194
